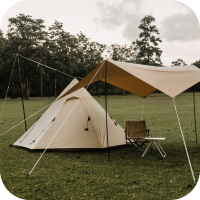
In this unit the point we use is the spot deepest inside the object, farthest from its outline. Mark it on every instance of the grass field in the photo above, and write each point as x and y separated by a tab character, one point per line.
89	174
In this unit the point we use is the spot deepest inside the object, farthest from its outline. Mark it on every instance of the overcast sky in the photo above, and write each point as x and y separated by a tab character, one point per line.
117	21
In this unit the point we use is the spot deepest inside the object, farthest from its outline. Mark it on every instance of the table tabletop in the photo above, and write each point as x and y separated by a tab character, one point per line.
153	138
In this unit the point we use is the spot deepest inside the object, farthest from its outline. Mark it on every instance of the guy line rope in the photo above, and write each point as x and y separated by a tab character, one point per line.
64	120
17	56
25	119
49	67
184	142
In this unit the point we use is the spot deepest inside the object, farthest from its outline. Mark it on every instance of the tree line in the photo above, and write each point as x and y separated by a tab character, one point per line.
75	55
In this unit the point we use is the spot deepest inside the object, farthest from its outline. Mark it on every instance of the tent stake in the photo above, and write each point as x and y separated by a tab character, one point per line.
184	143
195	117
106	109
22	97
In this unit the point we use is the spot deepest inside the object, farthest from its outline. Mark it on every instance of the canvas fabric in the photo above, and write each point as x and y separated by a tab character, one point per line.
142	80
136	129
72	135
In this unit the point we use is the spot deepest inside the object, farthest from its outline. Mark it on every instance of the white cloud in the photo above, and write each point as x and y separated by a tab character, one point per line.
124	14
188	51
181	27
117	21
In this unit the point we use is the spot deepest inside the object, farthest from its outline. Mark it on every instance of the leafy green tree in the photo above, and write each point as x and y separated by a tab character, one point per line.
197	63
2	43
89	54
6	66
197	86
147	49
178	62
122	53
74	55
25	36
57	45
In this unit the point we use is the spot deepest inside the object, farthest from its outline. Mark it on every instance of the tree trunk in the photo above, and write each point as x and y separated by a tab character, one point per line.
41	87
124	91
55	86
49	92
98	89
27	86
44	92
61	83
13	94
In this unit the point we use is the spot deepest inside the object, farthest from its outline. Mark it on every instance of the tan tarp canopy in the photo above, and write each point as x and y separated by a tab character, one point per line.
142	80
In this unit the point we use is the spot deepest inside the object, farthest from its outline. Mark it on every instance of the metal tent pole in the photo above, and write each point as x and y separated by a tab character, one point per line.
195	117
22	97
184	143
106	109
142	108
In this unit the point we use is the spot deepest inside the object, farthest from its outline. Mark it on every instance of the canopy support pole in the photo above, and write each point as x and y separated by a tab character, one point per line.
106	109
195	123
184	142
142	108
22	97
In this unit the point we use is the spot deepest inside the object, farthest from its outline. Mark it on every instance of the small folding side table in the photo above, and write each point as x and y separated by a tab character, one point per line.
155	141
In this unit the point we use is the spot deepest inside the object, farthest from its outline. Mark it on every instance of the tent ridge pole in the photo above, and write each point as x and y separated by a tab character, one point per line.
184	142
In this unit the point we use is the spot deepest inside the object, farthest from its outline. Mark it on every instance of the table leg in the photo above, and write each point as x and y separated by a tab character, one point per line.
163	154
150	143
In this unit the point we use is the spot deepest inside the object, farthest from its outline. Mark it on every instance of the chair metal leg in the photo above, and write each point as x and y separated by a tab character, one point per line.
138	147
126	141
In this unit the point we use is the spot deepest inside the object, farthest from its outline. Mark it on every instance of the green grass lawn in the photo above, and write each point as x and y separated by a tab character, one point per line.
89	174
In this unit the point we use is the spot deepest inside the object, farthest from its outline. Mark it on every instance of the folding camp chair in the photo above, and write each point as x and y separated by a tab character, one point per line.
135	132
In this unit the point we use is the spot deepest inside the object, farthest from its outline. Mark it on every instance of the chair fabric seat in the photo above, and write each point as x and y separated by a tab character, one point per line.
136	131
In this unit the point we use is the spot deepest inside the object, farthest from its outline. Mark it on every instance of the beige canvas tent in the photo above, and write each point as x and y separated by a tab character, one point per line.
87	114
